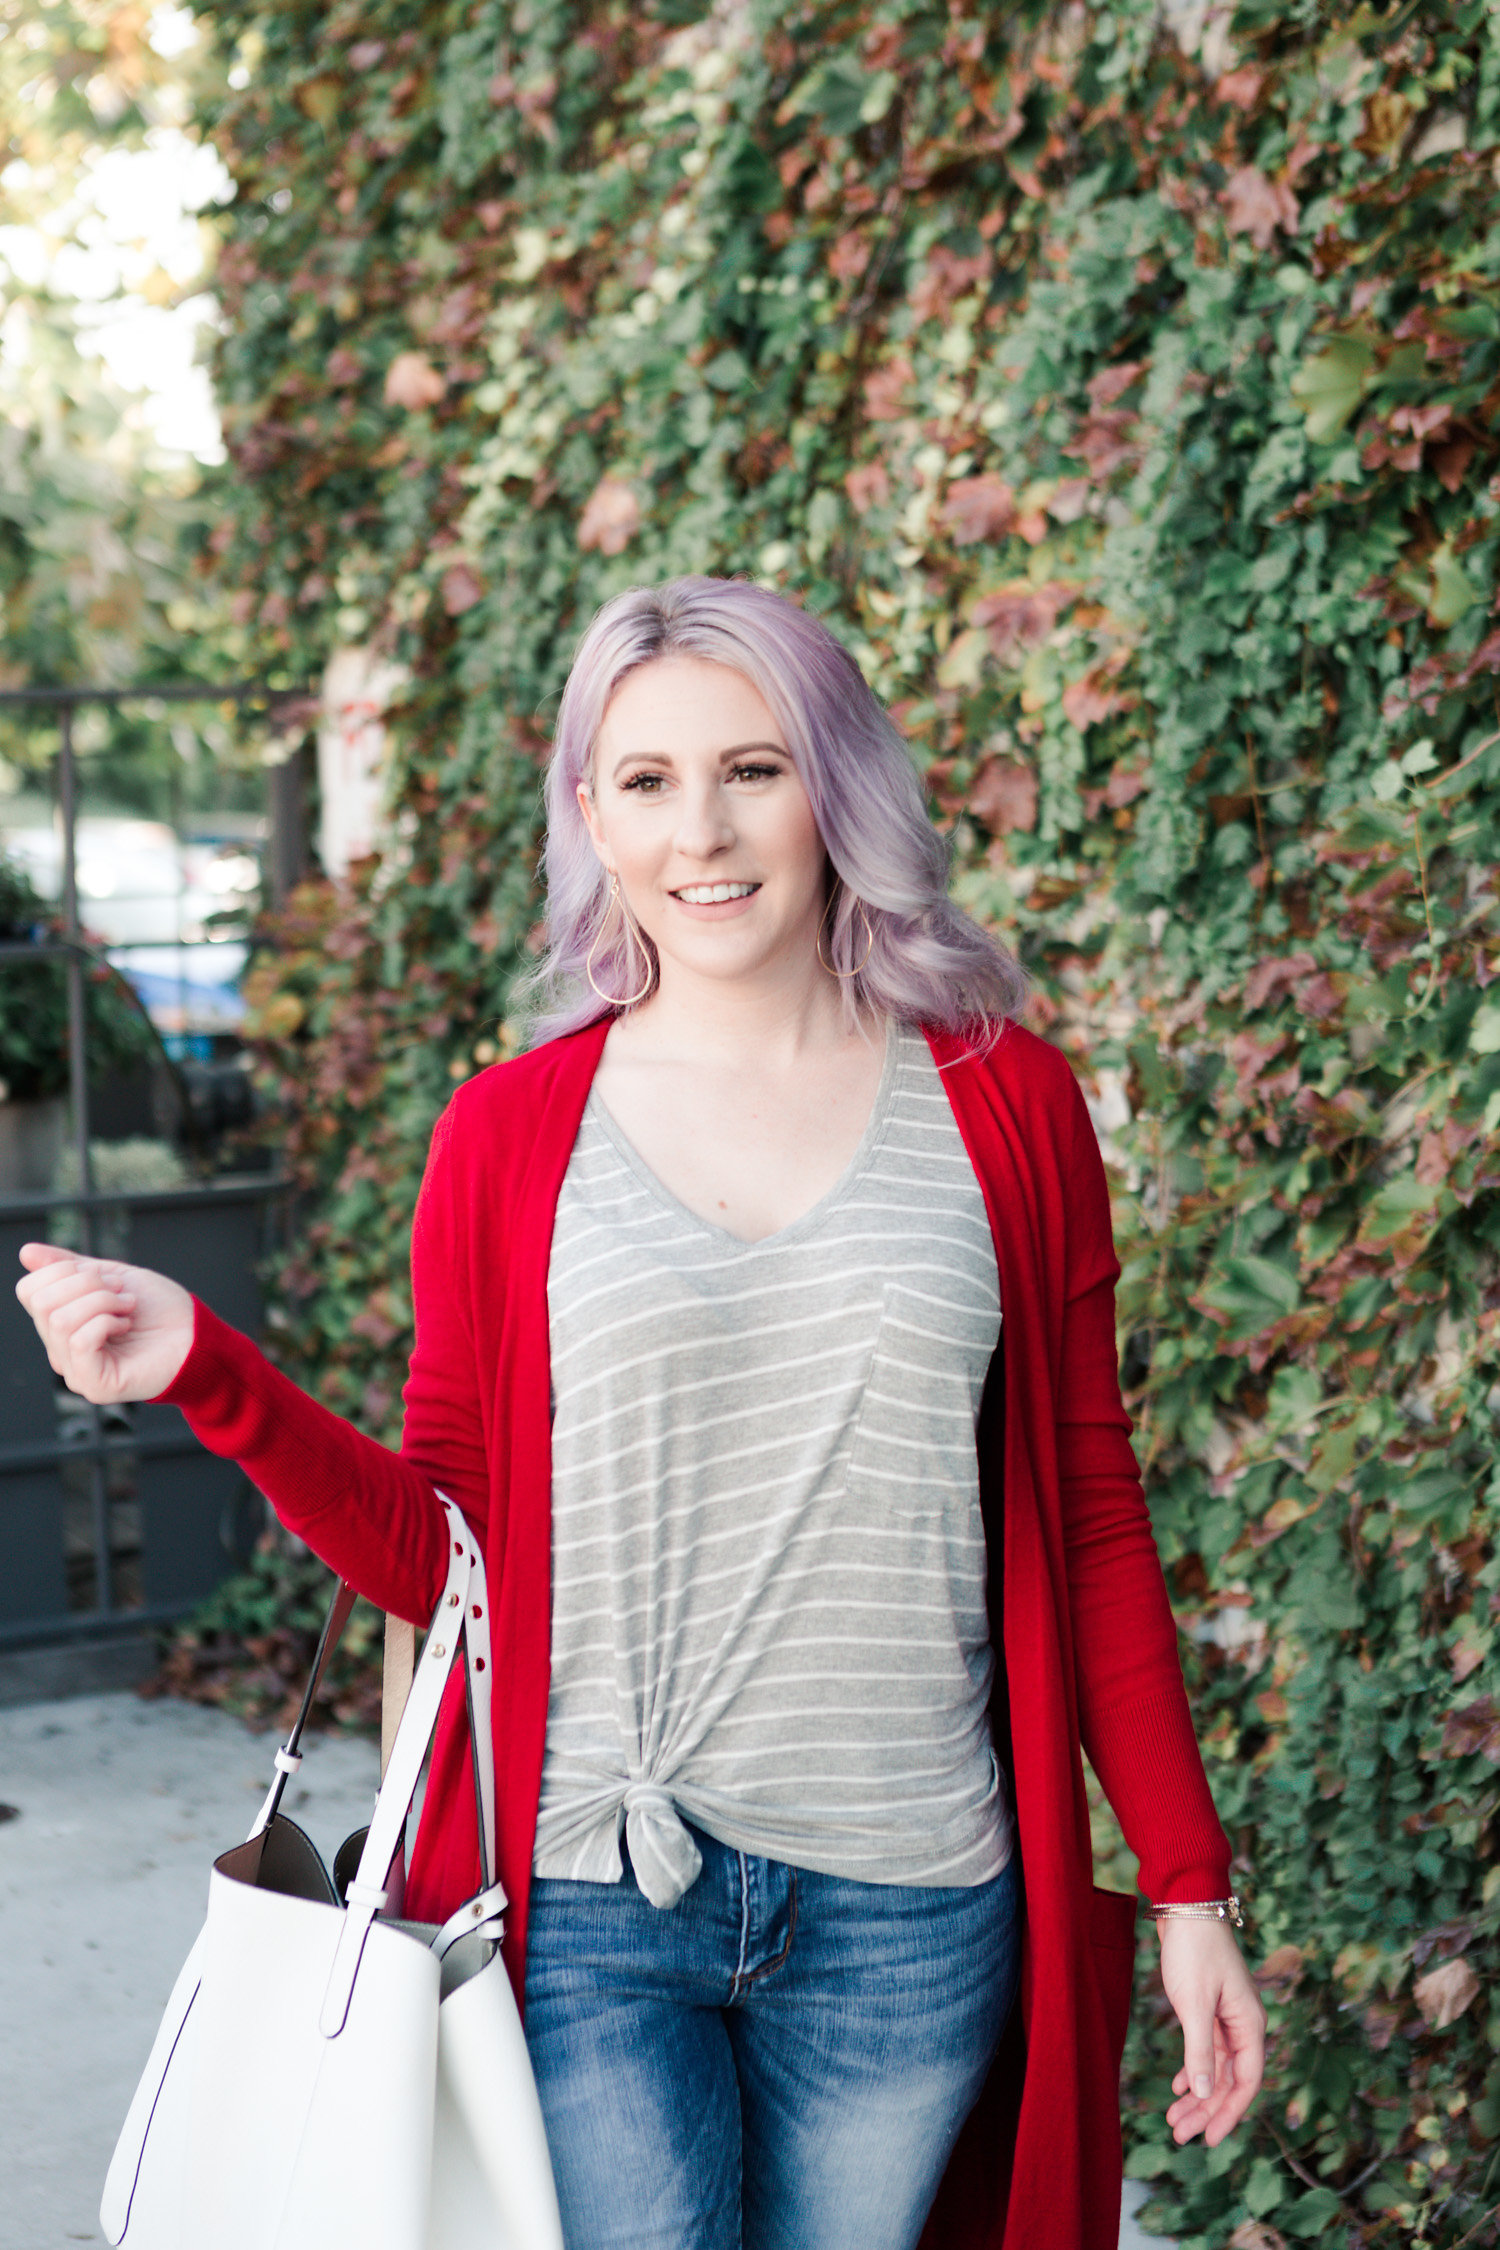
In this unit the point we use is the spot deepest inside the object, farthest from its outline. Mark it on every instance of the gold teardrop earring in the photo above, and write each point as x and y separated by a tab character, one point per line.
845	974
632	938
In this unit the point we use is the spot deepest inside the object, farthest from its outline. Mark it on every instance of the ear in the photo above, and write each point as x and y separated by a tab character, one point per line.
590	814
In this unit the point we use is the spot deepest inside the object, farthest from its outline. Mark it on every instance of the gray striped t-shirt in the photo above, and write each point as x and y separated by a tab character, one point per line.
768	1591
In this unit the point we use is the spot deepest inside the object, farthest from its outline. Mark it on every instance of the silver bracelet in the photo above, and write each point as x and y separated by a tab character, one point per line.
1202	1910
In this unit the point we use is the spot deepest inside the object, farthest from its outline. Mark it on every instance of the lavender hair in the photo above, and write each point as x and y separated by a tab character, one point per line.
920	960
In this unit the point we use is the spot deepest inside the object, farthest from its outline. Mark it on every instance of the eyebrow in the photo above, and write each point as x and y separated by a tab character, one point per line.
726	757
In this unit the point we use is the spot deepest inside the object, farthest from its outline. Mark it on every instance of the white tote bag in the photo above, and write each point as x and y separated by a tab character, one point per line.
327	2074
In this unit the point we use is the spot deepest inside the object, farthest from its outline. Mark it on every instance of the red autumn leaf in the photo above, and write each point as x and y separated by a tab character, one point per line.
1106	442
1249	1057
460	316
868	487
1382	2020
412	381
611	518
1268	978
1088	700
1003	795
1112	382
886	389
979	508
945	278
1281	1971
1257	206
1450	462
461	589
1241	87
1070	500
1445	1992
1421	421
373	1325
1124	785
343	367
1322	996
1475	1727
1255	2234
849	256
1019	615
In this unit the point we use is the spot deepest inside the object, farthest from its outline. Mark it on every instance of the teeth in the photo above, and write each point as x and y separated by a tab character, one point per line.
713	894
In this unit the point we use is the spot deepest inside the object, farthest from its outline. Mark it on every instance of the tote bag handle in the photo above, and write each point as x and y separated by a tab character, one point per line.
462	1615
407	1723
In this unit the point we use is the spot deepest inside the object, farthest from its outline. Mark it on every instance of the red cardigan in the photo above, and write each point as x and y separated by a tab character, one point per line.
1086	1636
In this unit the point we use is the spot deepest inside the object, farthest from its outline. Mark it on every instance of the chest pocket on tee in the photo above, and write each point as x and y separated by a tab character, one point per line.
913	1454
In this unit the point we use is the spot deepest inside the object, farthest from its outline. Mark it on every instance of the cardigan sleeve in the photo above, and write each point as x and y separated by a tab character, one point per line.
1134	1718
371	1514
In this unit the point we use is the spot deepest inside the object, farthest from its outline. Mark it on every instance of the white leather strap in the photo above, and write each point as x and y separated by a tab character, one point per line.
481	1726
357	1893
393	1803
486	1912
289	1757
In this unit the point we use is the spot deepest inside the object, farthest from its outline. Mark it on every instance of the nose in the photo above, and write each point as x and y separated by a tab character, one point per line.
704	825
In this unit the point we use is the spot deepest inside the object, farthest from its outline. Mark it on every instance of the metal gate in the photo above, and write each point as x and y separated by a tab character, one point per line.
116	1518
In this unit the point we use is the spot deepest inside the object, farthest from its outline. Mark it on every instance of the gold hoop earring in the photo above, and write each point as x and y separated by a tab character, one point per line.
845	974
617	898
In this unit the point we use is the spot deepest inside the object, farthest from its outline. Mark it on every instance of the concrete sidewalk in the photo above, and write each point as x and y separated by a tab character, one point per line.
121	1807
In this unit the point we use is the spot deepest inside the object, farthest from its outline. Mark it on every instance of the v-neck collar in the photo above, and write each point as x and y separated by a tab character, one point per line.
813	1217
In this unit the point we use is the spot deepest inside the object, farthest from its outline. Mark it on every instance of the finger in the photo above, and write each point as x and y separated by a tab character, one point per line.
34	1255
69	1321
89	1359
1198	2059
38	1287
1193	2110
57	1285
1246	2068
51	1311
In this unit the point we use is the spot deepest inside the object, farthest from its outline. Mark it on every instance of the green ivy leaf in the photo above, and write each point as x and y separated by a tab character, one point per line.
1265	2187
1330	385
1453	591
1395	1206
1313	2213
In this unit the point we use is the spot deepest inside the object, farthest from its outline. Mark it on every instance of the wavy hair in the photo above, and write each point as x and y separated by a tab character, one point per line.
924	961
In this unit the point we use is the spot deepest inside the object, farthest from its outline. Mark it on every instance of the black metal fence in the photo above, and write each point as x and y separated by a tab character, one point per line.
116	1517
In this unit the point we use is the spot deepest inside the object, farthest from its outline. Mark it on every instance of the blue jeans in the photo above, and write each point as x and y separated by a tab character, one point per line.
781	2061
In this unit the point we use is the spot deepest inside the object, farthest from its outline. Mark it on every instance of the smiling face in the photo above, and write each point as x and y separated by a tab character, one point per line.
696	805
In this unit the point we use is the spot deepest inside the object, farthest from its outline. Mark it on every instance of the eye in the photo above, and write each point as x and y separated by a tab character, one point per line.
755	772
644	784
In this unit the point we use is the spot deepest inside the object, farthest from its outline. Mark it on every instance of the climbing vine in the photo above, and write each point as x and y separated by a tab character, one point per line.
1121	383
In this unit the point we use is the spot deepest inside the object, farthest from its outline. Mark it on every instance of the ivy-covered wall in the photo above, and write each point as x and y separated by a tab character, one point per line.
1121	381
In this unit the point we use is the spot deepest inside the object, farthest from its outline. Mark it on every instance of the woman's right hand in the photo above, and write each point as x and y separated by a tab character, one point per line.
114	1333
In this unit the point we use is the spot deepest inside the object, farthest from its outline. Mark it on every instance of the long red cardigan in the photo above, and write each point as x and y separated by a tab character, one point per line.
1087	1637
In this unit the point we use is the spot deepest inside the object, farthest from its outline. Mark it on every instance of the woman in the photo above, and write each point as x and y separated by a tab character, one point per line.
765	1309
